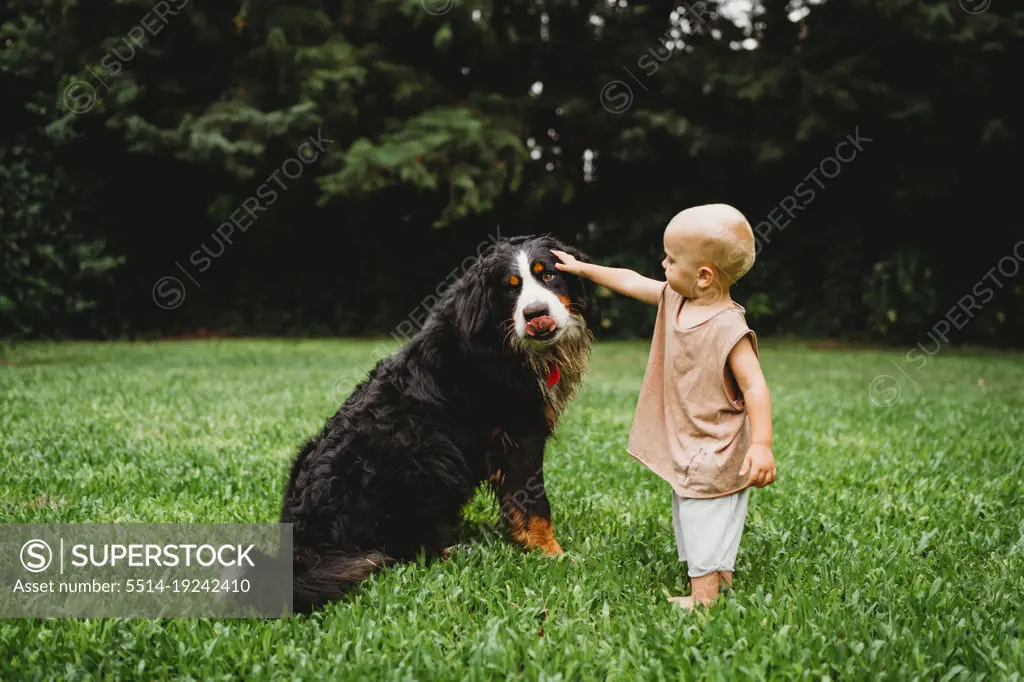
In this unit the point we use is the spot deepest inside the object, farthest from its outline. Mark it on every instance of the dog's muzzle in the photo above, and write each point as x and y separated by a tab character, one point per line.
540	325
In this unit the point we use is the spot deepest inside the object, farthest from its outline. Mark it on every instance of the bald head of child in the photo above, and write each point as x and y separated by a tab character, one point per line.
707	249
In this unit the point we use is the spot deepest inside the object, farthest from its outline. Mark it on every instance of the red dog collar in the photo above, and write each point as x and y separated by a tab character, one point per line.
553	376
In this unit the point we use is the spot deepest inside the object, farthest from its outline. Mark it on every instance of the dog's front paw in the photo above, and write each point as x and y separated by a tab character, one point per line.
551	547
541	534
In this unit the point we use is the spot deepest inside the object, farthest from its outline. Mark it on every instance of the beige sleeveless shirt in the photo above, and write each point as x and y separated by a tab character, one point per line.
690	426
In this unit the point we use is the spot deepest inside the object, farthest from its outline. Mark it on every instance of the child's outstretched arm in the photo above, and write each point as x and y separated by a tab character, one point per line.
620	280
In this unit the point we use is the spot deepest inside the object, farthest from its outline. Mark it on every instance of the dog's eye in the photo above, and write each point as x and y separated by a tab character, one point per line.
548	276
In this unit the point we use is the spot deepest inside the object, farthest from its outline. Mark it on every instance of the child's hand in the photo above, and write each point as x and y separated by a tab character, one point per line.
569	263
761	464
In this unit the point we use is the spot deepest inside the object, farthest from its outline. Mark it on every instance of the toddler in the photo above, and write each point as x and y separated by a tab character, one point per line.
703	417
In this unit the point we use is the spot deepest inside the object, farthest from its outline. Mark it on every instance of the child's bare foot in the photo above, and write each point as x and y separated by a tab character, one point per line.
703	590
684	602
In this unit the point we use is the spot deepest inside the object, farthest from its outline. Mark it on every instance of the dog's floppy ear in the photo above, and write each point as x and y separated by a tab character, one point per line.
473	299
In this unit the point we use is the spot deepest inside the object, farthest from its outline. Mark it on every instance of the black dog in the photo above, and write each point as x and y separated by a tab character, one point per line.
473	397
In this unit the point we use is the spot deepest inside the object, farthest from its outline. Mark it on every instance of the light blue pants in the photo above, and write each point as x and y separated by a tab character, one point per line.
708	531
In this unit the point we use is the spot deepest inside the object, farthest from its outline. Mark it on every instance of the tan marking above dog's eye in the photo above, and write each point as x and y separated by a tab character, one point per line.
538	267
513	280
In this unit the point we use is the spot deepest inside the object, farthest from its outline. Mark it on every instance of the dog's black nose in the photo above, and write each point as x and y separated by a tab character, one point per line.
534	310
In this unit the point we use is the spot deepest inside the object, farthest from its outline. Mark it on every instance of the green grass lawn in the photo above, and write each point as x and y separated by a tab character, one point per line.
890	546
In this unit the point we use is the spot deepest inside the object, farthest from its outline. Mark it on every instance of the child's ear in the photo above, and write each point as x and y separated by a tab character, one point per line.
714	281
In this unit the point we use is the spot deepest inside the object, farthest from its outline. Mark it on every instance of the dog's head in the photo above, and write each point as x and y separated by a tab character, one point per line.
516	292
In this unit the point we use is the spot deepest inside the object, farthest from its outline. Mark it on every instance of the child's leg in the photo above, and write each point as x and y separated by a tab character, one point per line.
708	532
703	589
677	527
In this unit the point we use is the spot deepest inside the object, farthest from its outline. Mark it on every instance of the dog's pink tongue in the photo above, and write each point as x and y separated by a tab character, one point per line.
540	325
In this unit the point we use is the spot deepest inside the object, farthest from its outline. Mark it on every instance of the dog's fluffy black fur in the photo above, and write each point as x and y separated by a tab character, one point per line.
466	400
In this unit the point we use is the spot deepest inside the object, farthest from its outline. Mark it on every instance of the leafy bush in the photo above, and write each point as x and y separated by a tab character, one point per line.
50	272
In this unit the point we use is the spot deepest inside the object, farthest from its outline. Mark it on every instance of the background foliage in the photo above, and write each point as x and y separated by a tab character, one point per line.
133	132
